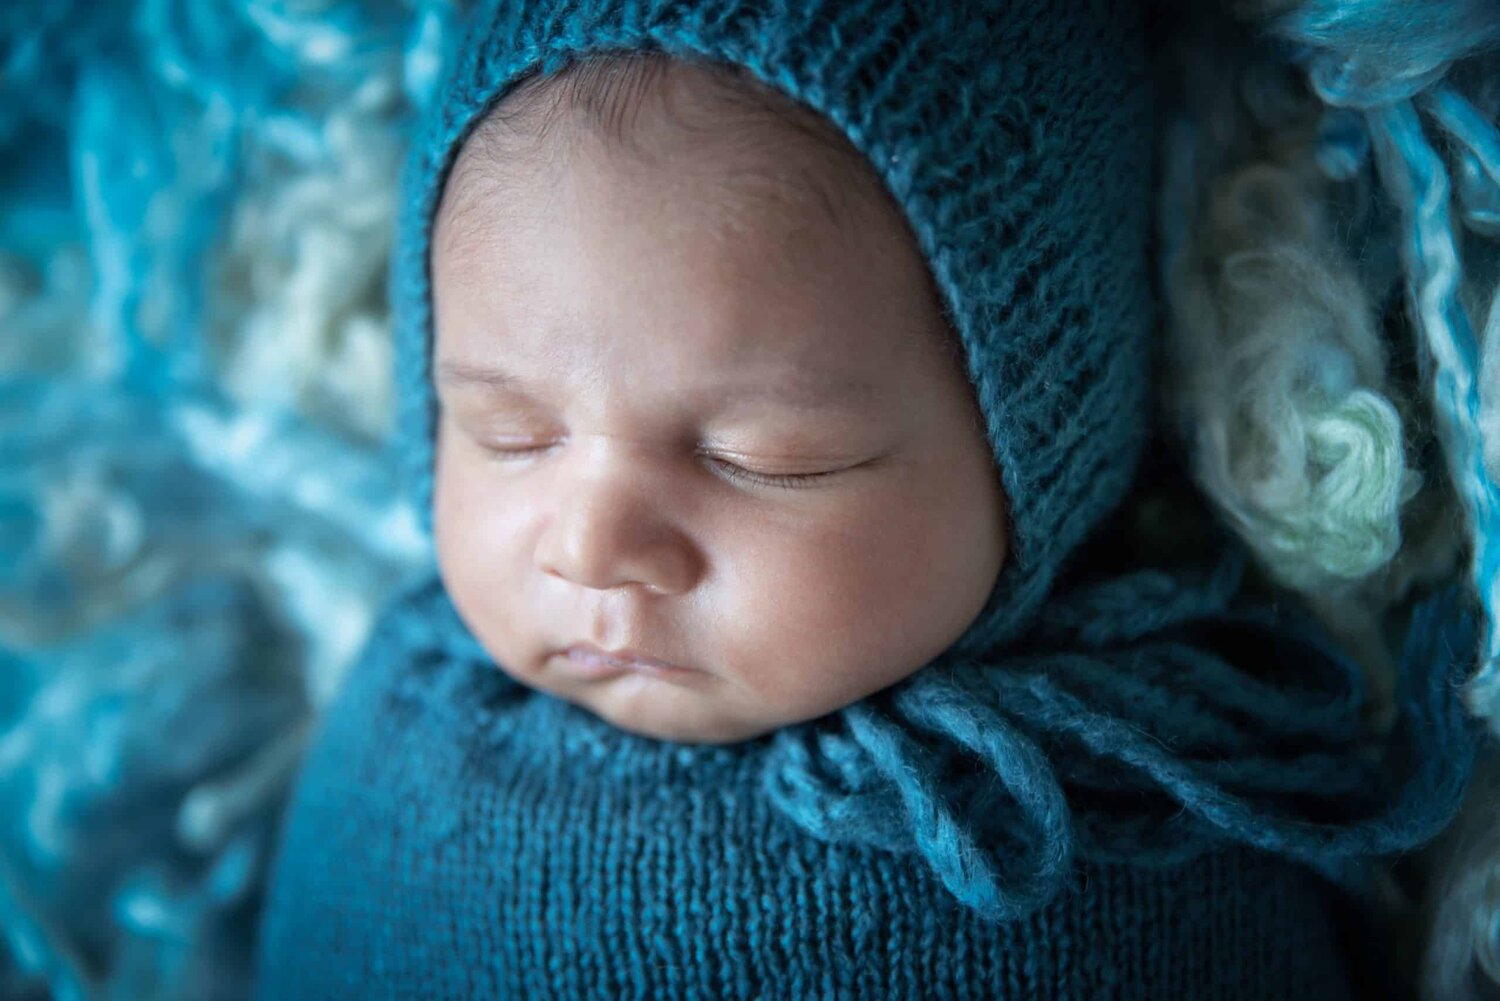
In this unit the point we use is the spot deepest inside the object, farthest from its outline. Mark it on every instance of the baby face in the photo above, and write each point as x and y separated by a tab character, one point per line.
687	413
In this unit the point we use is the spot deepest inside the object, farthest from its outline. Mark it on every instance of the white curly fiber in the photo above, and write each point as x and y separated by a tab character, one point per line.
1295	439
1278	377
1276	269
301	281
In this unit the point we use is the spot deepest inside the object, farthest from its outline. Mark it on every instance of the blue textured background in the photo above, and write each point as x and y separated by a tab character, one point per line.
198	515
195	207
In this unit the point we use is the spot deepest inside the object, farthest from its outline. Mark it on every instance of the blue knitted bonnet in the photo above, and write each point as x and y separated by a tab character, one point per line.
1015	136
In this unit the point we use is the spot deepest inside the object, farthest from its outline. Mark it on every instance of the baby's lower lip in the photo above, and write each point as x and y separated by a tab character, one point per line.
594	665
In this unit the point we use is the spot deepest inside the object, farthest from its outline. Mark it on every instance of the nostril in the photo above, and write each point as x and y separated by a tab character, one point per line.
664	565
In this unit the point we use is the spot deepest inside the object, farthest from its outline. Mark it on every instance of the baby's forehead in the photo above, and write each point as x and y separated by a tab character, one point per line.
780	221
764	151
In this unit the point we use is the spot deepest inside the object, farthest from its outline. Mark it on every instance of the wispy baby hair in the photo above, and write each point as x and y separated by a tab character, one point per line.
602	97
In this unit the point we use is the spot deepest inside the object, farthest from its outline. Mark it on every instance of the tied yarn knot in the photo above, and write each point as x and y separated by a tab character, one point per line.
1000	773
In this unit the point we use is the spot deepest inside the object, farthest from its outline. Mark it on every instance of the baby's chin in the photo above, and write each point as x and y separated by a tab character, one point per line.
658	723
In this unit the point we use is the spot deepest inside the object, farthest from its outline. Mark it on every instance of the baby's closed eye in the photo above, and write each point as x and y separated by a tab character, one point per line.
784	467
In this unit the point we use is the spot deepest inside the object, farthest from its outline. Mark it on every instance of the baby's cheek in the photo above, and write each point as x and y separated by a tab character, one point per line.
476	533
842	609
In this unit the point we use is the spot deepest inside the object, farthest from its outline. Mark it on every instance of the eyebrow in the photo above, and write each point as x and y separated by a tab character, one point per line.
452	373
800	392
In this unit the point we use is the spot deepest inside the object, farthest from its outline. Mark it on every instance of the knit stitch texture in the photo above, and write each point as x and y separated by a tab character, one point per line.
1123	781
457	836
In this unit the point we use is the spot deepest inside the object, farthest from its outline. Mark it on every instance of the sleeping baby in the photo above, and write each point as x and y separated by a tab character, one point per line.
776	379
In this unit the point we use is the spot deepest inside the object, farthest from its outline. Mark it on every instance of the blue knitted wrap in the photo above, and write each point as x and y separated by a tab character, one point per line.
1141	786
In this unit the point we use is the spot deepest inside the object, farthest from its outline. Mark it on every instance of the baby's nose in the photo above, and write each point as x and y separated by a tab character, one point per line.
609	529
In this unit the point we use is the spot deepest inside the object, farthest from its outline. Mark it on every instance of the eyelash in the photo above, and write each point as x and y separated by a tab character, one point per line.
787	480
790	481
